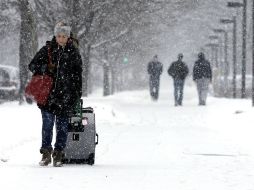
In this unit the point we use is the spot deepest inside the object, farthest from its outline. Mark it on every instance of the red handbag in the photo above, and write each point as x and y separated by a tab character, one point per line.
40	86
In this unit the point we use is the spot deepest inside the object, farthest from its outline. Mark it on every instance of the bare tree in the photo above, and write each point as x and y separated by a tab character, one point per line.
28	42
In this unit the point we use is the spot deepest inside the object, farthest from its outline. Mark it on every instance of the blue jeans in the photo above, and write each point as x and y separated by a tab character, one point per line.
48	120
178	92
203	88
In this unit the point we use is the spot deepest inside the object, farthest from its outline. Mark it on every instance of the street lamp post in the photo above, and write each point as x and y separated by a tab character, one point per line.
226	65
214	52
216	56
215	49
206	52
253	54
209	53
214	37
244	23
216	83
233	21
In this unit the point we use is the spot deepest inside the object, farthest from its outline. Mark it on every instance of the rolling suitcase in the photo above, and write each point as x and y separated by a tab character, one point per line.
82	137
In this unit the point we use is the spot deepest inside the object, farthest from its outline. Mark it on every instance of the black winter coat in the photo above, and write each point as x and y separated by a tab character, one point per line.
155	69
178	70
202	69
66	73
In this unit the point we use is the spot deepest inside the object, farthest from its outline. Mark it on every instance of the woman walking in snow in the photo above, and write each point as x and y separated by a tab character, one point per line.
66	71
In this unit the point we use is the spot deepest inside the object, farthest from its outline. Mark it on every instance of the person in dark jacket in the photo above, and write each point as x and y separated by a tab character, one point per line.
66	71
178	70
202	75
154	69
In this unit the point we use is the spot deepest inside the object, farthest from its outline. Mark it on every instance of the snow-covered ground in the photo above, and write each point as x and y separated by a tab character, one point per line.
143	145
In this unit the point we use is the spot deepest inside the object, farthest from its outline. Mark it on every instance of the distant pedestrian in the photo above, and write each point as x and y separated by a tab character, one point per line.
202	75
178	70
154	69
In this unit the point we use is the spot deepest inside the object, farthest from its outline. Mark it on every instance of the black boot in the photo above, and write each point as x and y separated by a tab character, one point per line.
46	156
57	158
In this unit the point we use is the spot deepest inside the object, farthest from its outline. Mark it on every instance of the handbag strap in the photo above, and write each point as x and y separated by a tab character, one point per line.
49	53
50	64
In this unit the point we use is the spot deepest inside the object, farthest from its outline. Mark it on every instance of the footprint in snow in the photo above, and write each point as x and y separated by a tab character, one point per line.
4	160
238	111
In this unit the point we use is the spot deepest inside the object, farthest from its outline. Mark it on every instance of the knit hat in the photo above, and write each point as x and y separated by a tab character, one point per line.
201	55
180	55
62	27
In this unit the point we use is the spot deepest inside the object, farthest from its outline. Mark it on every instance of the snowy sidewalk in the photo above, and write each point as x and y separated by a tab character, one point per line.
143	145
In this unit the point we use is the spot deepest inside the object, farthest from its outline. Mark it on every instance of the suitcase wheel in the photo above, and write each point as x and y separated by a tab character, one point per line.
65	161
90	160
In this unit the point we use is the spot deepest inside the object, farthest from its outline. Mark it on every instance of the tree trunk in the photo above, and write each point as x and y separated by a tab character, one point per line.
106	87
86	69
90	82
119	79
85	46
106	69
75	19
28	44
113	78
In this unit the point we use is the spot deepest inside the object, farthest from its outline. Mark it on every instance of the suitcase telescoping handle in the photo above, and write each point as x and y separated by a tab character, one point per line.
78	108
81	102
97	139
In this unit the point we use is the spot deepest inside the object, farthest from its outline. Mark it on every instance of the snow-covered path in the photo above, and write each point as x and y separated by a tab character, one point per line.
143	145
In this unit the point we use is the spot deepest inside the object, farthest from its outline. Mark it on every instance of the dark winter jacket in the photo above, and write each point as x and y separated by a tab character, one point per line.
66	73
178	70
155	69
202	69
